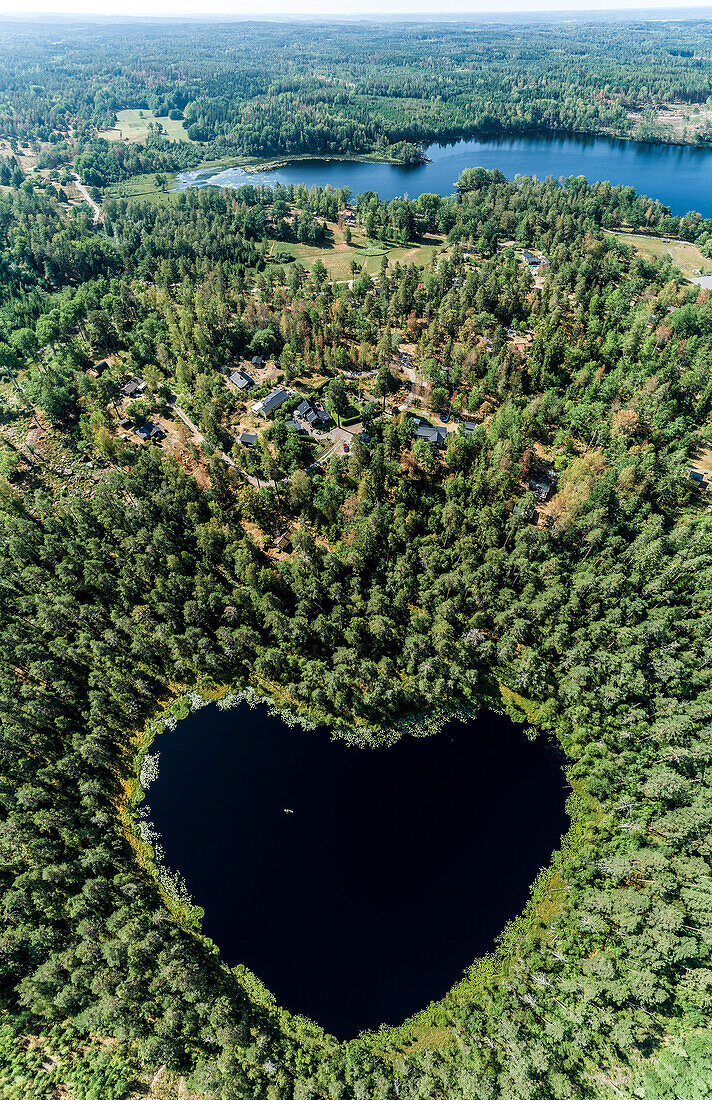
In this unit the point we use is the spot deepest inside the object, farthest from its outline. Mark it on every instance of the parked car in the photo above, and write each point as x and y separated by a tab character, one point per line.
346	448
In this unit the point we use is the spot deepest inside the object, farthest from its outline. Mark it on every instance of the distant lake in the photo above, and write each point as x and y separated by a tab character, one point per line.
395	870
680	176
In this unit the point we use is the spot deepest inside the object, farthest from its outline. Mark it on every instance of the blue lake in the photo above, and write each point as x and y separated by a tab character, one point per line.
680	176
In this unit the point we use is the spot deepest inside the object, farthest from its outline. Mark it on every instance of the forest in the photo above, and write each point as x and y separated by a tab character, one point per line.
419	580
263	90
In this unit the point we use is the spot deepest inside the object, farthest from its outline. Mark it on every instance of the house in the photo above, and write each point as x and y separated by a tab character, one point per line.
271	402
314	414
430	434
529	258
257	360
282	541
133	388
542	484
150	431
125	424
697	476
247	439
241	380
466	428
98	368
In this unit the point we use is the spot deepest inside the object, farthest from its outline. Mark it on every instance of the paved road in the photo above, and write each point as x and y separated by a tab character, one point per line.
85	195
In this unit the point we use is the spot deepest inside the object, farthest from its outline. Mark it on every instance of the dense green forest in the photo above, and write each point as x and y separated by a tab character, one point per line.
262	90
419	580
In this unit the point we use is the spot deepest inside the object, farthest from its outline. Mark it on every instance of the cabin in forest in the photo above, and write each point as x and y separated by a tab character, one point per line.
98	368
241	380
257	361
530	258
542	484
247	439
283	541
133	388
697	476
150	431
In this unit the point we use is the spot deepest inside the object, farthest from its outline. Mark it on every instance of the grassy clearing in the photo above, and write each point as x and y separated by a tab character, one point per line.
337	255
132	125
141	187
684	255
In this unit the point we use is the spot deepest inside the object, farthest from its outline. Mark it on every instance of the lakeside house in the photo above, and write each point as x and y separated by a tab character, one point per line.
241	380
269	404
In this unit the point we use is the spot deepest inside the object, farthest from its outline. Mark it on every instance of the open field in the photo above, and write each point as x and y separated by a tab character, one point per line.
337	255
141	187
684	255
132	125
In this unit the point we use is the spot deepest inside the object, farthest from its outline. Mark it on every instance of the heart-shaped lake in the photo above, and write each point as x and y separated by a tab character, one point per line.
356	883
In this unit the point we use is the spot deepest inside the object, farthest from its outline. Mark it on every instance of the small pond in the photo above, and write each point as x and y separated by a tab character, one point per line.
677	175
394	869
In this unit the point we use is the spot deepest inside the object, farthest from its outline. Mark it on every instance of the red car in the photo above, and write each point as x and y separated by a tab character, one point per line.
346	447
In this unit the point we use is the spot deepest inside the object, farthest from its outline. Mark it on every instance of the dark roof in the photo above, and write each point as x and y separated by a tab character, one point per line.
541	485
696	475
100	367
431	434
257	360
150	431
247	439
135	385
242	380
312	412
467	428
529	257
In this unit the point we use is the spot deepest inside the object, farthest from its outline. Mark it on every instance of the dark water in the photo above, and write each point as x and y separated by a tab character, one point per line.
397	868
680	176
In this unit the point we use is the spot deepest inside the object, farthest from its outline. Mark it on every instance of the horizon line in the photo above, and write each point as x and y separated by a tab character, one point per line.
657	13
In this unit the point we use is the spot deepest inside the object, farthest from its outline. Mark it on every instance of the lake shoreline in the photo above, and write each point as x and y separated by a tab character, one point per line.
672	174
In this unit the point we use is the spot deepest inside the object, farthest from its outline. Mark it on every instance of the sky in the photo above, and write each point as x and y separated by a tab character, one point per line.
354	9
